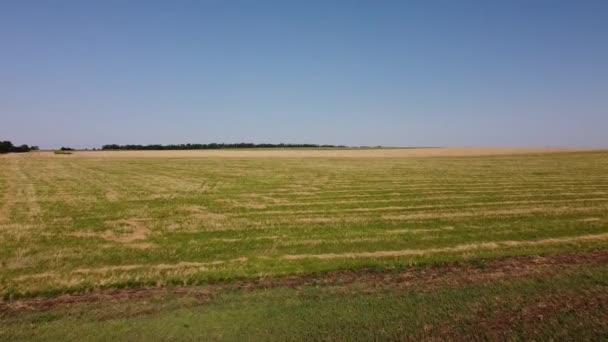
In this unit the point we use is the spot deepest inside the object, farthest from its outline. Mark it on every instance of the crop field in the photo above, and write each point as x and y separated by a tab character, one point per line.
106	222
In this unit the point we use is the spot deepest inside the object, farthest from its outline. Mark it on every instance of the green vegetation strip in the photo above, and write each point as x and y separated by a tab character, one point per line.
560	297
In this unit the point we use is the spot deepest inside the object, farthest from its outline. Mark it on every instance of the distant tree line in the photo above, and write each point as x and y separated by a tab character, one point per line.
8	147
212	146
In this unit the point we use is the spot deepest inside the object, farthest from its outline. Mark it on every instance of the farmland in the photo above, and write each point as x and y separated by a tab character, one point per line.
96	222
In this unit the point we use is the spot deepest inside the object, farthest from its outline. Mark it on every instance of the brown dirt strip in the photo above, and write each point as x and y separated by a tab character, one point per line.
424	278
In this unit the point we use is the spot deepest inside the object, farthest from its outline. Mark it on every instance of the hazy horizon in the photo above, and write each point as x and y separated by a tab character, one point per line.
360	73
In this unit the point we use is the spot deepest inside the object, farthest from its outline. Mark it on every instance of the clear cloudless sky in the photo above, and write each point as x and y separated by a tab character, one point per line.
393	73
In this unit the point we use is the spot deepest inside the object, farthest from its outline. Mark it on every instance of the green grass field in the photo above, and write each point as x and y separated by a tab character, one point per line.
72	224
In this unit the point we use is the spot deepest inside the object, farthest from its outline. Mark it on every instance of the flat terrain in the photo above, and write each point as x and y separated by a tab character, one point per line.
309	152
304	244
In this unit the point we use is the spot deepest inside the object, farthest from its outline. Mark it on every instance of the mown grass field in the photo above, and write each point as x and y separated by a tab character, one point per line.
81	223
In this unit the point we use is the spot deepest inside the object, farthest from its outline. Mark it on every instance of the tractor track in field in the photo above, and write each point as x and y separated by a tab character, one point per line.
424	278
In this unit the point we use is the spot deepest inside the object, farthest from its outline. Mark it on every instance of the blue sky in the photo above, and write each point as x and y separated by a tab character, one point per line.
393	73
